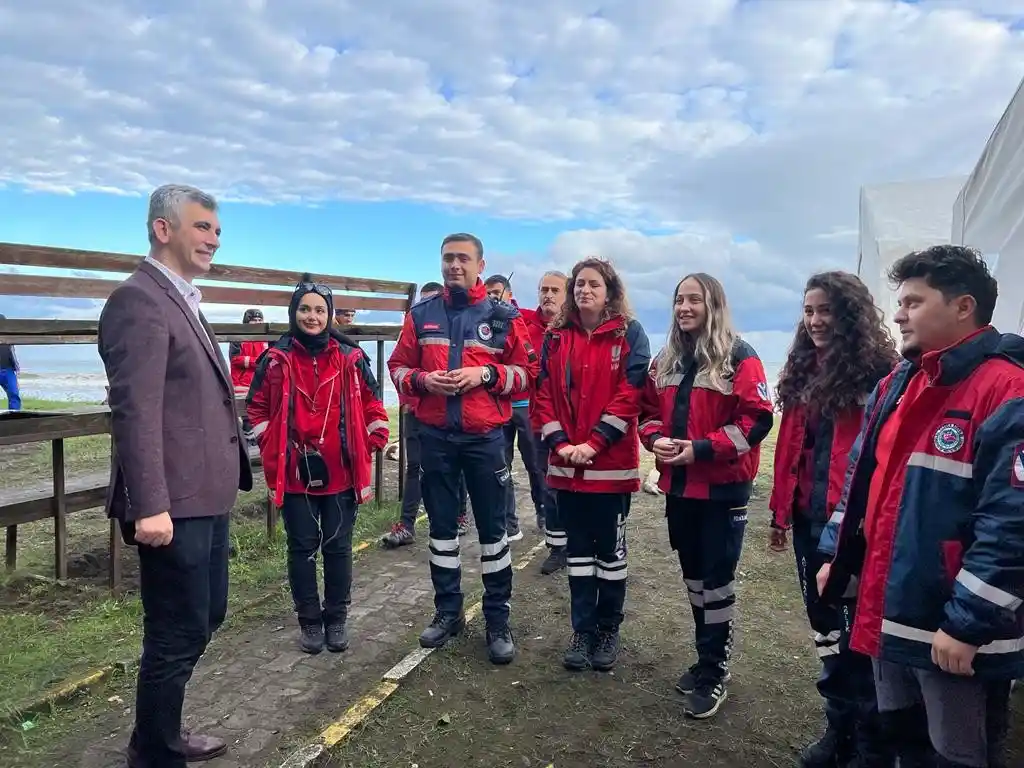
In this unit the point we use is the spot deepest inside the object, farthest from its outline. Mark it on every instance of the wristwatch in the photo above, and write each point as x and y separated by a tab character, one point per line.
486	376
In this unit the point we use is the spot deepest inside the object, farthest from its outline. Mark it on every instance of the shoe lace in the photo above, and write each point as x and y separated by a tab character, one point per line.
605	641
578	642
502	633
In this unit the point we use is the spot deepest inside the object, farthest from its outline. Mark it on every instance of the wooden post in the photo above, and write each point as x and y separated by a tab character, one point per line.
378	490
12	548
60	511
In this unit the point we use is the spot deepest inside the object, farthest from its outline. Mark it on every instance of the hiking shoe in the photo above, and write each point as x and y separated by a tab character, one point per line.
501	648
516	534
577	655
688	681
606	650
311	638
443	627
554	562
827	751
706	699
337	636
463	524
398	536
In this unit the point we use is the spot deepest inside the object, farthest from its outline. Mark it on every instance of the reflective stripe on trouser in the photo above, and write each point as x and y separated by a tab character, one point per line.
846	682
554	531
481	460
595	525
708	538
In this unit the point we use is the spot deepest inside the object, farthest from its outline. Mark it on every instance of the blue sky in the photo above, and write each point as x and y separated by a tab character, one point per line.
350	137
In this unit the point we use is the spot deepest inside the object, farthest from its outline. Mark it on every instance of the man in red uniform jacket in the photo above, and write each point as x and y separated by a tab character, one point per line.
463	356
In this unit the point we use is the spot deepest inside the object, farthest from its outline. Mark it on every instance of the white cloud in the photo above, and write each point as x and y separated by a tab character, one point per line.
743	129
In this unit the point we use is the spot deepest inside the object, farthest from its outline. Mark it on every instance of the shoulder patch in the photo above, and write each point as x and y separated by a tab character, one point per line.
949	438
762	391
1017	467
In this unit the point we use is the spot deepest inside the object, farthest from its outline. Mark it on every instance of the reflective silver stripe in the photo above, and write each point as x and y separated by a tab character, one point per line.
827	645
581	566
444	545
550	428
694	585
556	538
837	517
827	650
430	341
373	426
556	471
904	632
611	571
735	434
653	424
987	592
609	475
493	566
523	381
450	562
941	464
720	615
720	593
495	548
696	599
615	421
480	345
703	381
399	375
515	379
259	429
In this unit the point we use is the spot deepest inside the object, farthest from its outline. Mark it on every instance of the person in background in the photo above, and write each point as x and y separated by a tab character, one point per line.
841	350
463	357
343	317
243	356
594	364
499	289
9	375
317	415
179	462
931	521
403	532
550	300
706	409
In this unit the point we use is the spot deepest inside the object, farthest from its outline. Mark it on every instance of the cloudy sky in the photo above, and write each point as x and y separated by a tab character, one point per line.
730	136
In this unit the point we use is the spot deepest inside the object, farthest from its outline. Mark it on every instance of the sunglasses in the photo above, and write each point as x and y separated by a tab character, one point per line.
318	288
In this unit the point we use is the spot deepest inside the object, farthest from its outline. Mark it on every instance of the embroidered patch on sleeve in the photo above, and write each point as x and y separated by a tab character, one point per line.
762	390
1017	470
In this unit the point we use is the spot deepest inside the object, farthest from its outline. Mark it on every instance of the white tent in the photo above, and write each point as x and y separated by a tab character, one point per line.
989	213
896	219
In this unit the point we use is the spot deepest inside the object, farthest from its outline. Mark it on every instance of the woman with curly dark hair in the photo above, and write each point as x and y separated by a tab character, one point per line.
841	351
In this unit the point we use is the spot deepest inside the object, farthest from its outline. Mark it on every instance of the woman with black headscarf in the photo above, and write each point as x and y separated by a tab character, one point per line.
317	416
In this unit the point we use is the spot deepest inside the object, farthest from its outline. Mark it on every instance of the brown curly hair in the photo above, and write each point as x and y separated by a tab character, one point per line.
618	304
862	351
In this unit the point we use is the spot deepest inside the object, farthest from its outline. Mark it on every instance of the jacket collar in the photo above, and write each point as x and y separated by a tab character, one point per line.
614	323
953	364
459	298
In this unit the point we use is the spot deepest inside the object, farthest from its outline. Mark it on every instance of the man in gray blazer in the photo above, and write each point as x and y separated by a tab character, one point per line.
179	461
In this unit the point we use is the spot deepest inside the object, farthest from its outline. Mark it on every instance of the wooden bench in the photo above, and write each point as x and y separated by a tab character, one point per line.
259	287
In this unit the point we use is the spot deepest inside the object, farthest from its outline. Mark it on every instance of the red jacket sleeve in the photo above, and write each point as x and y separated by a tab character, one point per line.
624	407
519	361
751	422
651	425
404	363
551	430
374	413
264	399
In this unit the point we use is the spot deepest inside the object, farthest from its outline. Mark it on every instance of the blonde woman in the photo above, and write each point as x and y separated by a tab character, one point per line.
704	412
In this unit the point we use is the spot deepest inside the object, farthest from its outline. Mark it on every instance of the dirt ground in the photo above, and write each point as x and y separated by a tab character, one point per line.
460	710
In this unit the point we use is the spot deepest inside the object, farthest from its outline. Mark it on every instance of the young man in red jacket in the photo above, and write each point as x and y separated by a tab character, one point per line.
463	356
931	520
243	356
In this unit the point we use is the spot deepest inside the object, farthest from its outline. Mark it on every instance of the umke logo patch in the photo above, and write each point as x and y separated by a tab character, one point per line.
1017	472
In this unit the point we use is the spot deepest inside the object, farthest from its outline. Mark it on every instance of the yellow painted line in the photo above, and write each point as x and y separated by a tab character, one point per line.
356	715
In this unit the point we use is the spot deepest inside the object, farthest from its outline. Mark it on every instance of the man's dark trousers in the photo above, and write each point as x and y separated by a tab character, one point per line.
554	530
481	460
518	429
184	588
412	494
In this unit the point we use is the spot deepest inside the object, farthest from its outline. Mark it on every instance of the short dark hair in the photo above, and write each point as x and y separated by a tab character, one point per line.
431	288
465	237
497	279
953	270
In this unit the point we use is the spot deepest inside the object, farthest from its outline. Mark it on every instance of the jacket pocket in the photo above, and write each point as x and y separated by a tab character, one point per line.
952	559
184	457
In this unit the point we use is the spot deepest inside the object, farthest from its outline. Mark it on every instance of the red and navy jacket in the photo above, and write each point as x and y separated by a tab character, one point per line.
536	326
726	428
589	392
812	478
244	355
330	402
942	546
458	329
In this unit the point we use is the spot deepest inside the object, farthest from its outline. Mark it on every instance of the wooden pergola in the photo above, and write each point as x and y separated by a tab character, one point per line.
254	286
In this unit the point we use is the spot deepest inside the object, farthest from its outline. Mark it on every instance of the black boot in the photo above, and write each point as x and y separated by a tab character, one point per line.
311	637
554	562
443	627
577	655
337	635
606	650
501	648
905	735
832	750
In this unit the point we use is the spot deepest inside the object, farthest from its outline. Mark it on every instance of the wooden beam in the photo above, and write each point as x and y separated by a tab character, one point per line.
32	510
29	427
92	288
23	255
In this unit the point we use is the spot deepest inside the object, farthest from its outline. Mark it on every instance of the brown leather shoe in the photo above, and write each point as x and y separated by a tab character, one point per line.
199	748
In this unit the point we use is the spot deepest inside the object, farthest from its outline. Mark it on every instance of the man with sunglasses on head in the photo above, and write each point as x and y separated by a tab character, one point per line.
344	316
463	356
